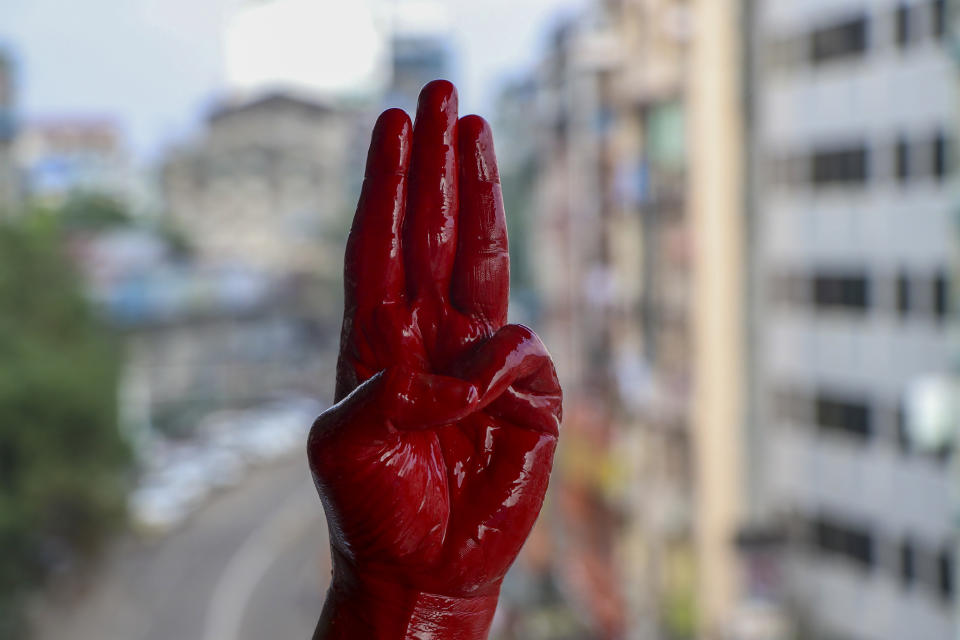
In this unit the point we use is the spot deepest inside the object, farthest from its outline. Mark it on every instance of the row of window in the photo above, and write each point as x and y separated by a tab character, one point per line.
855	164
913	563
839	40
832	291
833	413
854	35
908	295
839	165
829	411
852	416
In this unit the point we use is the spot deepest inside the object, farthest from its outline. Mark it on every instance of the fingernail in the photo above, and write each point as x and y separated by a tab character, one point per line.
389	143
437	107
477	156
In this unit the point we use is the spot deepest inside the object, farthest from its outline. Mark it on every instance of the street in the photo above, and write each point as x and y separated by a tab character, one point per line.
250	564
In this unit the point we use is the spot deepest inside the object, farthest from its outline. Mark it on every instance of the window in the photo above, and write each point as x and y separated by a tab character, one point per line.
843	415
943	453
666	131
938	21
902	25
903	294
844	291
903	437
945	574
940	296
839	41
902	160
939	158
839	166
851	542
907	563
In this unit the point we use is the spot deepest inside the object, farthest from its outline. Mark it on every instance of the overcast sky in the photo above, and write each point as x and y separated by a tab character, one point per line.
155	65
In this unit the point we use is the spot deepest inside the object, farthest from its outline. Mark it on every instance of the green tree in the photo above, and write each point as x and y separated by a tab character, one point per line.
93	212
62	458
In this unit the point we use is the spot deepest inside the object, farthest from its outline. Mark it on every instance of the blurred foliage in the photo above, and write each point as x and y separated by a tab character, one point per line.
679	611
175	238
534	607
678	605
92	212
62	458
517	186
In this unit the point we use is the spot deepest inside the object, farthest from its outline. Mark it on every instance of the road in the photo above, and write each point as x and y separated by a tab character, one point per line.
251	564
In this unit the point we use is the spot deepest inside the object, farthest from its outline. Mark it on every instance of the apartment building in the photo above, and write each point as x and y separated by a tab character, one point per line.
850	210
265	185
637	211
62	156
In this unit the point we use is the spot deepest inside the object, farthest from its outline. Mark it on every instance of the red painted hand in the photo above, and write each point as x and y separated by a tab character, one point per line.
433	464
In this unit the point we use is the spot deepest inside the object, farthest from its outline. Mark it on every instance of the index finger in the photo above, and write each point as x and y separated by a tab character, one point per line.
373	264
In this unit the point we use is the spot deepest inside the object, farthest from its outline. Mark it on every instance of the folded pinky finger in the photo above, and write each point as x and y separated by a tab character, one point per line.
529	409
516	379
416	400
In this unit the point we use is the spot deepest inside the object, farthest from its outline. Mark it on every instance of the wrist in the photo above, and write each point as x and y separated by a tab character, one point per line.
368	606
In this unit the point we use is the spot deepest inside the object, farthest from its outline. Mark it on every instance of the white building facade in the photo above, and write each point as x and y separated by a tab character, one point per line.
852	235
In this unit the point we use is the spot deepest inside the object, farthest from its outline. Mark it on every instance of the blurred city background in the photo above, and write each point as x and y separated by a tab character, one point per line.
733	222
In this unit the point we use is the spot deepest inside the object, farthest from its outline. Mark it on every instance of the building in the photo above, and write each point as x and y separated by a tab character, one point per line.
671	168
197	339
718	349
417	59
61	156
636	255
266	185
549	173
644	169
420	50
850	223
611	254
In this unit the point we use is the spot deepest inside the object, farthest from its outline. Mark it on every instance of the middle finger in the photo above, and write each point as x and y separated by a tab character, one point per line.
430	224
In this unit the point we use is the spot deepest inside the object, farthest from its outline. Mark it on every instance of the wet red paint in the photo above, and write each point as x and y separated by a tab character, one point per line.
433	464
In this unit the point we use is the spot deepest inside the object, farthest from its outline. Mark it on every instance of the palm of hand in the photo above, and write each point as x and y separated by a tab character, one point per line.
434	465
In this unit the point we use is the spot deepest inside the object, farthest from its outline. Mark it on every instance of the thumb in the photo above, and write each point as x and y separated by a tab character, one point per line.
398	397
412	399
